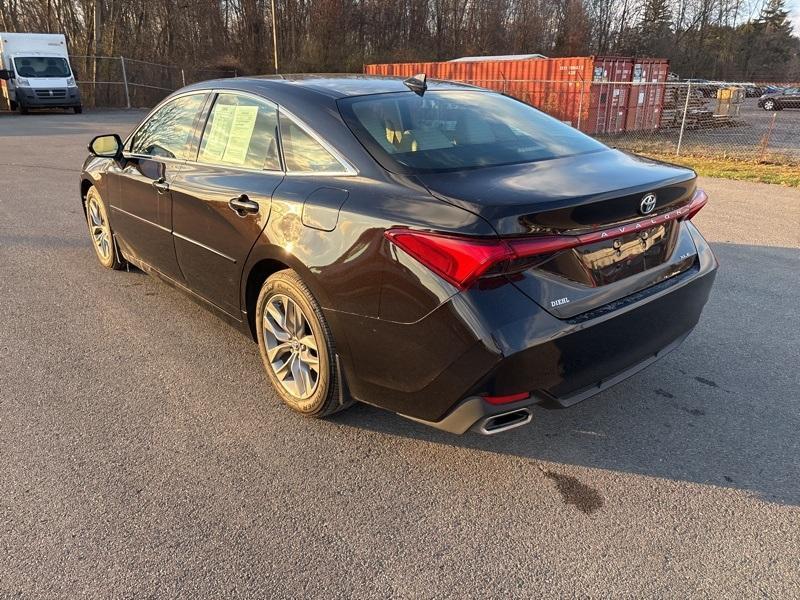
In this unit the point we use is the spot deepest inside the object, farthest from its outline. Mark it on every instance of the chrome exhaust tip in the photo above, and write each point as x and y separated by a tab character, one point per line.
503	421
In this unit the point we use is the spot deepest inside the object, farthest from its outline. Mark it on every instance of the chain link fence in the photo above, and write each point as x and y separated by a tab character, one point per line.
120	82
710	120
703	119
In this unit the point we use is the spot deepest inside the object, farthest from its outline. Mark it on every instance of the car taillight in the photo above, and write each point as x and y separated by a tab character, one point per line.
699	200
461	259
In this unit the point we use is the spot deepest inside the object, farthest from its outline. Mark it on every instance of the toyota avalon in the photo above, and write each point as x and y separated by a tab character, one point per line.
442	251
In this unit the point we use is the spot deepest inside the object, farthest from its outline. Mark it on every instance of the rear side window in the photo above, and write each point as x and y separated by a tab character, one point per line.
302	153
168	131
242	132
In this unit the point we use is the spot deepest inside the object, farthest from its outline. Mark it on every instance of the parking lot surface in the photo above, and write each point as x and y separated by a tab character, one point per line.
144	455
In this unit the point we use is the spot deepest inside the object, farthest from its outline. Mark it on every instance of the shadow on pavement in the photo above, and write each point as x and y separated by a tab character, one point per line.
720	410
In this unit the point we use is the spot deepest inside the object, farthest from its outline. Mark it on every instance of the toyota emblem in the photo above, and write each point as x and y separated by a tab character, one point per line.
648	204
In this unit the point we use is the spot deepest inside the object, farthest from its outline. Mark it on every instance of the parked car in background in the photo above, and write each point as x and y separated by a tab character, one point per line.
35	72
708	89
752	90
439	250
778	100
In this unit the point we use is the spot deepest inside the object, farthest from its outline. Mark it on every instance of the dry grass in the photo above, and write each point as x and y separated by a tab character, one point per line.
729	168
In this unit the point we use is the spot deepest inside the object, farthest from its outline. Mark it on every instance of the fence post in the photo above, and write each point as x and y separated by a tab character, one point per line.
580	103
765	139
183	78
125	81
683	121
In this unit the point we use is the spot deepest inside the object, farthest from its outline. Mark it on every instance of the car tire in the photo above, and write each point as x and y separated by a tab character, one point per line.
12	105
22	109
297	347
78	109
100	232
770	105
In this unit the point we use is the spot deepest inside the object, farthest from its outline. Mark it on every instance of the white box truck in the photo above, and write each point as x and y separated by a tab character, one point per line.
35	72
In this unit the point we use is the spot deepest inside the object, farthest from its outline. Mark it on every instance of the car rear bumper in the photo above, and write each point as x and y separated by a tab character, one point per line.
49	98
439	370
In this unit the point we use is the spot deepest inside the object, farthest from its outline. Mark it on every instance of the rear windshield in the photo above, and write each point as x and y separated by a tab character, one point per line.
40	66
453	130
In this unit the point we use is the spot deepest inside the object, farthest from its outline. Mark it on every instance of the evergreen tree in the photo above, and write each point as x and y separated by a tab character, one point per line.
654	34
772	44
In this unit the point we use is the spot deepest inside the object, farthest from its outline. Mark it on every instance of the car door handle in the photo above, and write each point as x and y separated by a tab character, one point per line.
243	205
161	185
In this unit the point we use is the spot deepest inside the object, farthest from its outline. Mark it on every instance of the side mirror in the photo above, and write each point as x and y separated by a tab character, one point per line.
106	146
6	74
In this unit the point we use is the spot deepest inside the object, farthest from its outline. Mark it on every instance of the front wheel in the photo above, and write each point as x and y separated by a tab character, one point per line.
297	347
23	110
100	231
78	109
769	105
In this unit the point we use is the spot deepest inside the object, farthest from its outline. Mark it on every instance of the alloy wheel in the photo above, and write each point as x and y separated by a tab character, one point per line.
292	348
98	226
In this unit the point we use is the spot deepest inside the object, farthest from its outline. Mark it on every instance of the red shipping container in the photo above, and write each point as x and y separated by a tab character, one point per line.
608	102
647	94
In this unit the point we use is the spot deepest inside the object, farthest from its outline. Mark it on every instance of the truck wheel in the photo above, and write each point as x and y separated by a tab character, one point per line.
23	110
13	105
78	109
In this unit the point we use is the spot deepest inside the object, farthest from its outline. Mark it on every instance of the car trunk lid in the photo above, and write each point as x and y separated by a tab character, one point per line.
605	200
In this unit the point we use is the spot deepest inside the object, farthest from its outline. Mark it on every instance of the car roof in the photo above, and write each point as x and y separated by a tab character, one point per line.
333	86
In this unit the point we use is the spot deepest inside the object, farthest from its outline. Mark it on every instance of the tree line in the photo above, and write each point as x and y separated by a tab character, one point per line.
748	40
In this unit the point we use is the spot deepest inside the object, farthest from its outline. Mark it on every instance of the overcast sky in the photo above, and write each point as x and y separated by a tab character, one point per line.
794	7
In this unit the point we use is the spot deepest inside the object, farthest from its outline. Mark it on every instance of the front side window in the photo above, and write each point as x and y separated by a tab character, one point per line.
41	66
453	130
168	132
302	153
241	132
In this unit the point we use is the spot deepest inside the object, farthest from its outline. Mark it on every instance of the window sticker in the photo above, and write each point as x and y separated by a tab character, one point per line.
241	131
217	139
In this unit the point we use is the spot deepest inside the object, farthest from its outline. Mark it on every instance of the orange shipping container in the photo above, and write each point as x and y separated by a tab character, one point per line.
579	90
558	86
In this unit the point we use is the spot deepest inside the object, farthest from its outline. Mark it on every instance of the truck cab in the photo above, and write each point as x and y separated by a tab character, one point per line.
36	73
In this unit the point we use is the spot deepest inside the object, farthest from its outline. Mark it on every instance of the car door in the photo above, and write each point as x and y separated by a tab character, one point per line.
221	200
142	208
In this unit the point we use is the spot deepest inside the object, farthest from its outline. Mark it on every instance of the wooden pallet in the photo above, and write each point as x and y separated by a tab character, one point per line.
698	116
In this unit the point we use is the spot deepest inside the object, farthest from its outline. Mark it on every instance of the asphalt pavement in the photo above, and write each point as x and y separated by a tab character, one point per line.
143	453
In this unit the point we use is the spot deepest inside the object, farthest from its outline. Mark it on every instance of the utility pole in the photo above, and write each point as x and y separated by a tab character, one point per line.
274	37
96	26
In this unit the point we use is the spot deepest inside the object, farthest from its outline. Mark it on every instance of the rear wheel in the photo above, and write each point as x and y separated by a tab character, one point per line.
100	231
297	347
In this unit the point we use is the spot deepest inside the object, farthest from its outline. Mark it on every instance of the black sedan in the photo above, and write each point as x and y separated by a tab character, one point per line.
780	99
442	251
